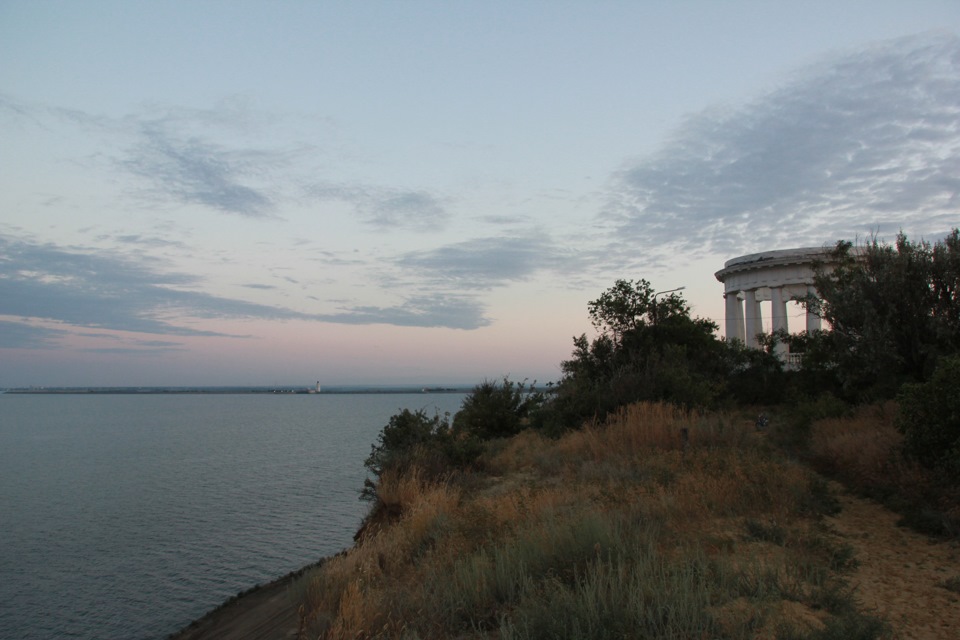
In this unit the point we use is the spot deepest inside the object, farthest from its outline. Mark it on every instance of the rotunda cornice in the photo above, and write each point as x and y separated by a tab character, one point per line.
767	259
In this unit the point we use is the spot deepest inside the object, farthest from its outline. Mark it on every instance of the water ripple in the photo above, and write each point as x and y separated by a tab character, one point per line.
129	516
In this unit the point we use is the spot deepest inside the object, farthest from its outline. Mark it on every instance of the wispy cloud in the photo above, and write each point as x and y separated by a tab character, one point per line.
141	241
139	348
92	290
386	207
80	288
27	336
486	263
862	141
215	158
192	170
207	157
436	310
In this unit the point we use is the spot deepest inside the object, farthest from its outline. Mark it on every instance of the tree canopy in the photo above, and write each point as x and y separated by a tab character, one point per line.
893	311
647	348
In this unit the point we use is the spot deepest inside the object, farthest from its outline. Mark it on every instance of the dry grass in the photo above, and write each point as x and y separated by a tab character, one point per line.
864	450
346	596
660	523
639	428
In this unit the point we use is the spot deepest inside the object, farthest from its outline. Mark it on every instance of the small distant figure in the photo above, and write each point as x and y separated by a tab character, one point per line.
762	422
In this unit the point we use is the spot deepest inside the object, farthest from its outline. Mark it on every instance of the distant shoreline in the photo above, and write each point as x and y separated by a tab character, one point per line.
231	390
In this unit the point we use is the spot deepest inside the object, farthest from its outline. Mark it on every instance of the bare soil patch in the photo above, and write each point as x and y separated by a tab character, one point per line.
265	613
901	575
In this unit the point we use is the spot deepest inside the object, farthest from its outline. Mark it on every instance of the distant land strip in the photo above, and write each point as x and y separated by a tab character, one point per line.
235	390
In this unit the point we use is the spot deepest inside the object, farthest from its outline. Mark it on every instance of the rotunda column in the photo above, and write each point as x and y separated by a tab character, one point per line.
752	317
734	318
779	309
778	314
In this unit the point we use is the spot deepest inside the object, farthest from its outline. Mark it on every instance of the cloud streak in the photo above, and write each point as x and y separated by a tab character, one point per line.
435	310
486	263
385	207
44	282
19	335
868	140
204	157
192	170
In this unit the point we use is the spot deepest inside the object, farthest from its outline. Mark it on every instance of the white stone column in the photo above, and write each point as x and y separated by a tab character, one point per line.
734	316
779	309
741	334
778	314
751	317
813	320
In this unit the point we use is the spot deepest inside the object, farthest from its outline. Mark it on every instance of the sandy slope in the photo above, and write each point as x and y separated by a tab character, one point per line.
900	578
901	573
266	613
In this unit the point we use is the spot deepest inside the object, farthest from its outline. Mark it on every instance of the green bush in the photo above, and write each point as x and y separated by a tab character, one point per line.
496	409
409	436
756	376
648	349
794	431
893	311
437	447
929	419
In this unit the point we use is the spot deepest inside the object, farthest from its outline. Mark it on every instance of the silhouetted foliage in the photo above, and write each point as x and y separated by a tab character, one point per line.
755	376
408	437
496	409
893	310
437	447
648	348
929	419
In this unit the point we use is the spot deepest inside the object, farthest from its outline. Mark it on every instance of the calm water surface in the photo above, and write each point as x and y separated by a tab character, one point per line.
128	516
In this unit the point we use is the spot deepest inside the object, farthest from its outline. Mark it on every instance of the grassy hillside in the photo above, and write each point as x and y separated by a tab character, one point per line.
659	523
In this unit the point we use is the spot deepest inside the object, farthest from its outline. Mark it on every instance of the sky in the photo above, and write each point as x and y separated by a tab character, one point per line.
413	192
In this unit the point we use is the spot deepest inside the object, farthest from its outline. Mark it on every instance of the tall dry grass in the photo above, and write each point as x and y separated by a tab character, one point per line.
863	448
346	596
865	451
658	524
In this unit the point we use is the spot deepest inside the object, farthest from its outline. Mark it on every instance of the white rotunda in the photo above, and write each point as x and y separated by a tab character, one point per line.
774	276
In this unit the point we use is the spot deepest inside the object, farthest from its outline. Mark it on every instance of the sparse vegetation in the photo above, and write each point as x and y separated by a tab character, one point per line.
865	450
952	584
626	502
626	527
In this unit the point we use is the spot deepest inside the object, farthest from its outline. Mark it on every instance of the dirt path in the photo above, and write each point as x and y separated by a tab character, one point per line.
901	573
266	613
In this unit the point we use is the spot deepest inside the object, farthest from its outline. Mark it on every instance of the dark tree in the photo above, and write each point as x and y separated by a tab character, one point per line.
410	437
648	348
893	311
496	409
929	418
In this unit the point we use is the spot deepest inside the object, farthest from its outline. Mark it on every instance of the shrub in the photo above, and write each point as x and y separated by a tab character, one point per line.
435	447
892	309
929	419
795	430
496	409
756	375
648	349
408	436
